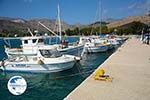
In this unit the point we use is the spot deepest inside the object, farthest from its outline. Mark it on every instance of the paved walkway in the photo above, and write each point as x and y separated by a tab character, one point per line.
130	68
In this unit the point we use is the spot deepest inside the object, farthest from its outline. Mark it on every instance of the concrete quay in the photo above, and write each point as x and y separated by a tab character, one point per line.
130	68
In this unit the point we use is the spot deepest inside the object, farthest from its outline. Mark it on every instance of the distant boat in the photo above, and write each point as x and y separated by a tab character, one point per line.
92	45
46	60
114	40
104	41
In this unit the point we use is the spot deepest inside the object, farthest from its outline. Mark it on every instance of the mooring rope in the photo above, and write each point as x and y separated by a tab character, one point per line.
62	77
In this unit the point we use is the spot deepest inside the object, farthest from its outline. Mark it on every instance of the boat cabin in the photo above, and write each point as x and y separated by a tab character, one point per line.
49	52
32	41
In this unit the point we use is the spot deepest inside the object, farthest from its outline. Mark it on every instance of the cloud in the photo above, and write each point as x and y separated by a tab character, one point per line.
132	6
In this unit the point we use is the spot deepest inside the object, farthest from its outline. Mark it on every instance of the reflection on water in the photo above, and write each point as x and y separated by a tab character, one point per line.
52	86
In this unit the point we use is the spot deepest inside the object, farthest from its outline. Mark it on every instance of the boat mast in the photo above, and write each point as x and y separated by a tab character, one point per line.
59	22
30	32
100	5
48	28
98	17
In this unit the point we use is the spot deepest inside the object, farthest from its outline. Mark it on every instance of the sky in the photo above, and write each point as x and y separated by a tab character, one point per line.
73	11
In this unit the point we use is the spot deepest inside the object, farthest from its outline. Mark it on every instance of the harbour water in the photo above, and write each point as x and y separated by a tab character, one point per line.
52	86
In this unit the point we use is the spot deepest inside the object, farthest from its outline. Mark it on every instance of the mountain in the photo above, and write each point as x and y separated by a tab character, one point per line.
143	19
19	26
12	26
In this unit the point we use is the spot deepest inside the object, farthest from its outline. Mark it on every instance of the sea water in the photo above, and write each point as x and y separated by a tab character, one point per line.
52	86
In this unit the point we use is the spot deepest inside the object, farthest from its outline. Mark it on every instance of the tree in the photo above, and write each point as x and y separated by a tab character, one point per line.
131	28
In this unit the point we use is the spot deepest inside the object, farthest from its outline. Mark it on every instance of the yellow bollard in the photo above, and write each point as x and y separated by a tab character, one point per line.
100	75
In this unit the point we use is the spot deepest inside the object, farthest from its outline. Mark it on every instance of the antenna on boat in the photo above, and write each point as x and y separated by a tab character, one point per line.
30	32
48	29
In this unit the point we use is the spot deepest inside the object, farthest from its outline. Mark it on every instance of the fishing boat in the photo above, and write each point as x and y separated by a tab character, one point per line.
104	41
114	40
46	60
92	45
31	44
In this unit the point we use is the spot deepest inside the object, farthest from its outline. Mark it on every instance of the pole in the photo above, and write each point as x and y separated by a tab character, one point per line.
48	29
59	23
100	16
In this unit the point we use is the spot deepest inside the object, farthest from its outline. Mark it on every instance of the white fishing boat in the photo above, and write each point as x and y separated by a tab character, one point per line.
31	44
92	45
104	41
46	60
114	40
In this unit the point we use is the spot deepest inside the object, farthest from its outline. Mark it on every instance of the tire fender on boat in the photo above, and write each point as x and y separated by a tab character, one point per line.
40	62
2	65
77	59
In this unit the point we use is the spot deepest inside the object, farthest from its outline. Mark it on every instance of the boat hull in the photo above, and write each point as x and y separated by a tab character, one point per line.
72	50
96	49
38	68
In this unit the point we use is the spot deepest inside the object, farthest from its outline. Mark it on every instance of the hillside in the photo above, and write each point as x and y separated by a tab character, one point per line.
18	26
143	19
